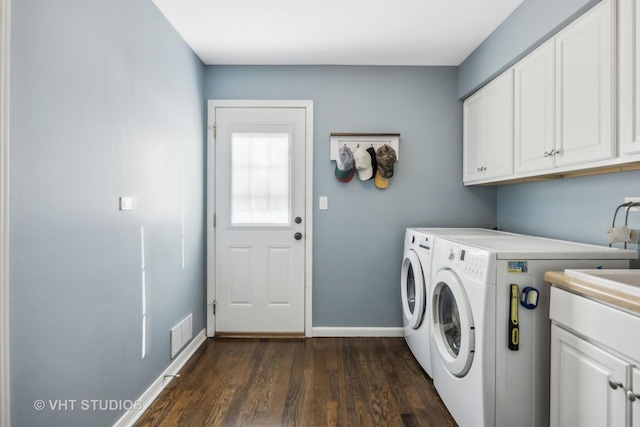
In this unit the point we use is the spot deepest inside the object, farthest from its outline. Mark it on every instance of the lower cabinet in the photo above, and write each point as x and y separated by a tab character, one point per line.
587	383
595	359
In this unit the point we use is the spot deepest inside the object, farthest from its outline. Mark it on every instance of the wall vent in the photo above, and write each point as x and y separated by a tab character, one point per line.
181	334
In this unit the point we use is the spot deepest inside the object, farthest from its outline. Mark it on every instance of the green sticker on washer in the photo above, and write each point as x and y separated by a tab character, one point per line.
516	266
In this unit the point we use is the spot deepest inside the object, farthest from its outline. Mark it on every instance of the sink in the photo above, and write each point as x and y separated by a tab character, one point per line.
623	280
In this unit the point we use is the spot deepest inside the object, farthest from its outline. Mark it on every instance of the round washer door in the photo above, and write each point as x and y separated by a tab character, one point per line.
413	290
453	327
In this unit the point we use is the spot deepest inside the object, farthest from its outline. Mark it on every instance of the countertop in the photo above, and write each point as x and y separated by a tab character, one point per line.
601	293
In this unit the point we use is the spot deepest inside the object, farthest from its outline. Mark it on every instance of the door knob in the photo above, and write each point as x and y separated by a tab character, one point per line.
298	220
298	236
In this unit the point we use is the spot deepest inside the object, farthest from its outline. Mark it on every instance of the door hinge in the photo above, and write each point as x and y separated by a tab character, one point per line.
215	131
213	307
214	220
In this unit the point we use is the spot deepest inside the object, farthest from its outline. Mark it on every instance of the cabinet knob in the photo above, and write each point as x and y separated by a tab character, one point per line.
632	396
547	154
615	384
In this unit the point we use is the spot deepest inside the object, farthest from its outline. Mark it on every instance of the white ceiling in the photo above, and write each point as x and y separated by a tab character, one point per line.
336	32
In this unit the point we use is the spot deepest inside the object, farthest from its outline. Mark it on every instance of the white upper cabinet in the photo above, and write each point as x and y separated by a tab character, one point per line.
629	78
565	95
535	110
585	88
488	131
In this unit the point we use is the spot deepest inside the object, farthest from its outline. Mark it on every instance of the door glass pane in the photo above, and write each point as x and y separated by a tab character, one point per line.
411	289
449	320
260	178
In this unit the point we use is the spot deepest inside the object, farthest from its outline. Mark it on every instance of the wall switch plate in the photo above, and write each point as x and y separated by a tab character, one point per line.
126	203
324	203
633	199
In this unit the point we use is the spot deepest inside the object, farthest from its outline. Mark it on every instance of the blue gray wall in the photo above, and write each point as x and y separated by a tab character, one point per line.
358	241
106	101
577	209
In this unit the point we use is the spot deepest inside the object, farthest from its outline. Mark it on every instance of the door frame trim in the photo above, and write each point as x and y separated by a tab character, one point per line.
210	196
5	24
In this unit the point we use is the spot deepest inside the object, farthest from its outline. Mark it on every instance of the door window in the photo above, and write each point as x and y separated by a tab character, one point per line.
450	320
411	289
453	330
260	178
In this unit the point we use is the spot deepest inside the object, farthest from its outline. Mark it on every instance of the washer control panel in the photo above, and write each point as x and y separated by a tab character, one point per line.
465	260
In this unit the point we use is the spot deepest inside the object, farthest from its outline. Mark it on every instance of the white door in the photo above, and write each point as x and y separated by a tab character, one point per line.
587	383
472	138
497	122
534	110
260	220
488	131
629	76
635	398
585	61
453	325
413	290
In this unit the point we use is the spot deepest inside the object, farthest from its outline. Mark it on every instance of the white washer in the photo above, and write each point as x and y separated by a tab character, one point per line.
479	378
415	285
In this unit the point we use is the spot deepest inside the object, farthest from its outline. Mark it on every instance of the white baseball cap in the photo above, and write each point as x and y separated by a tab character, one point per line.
364	167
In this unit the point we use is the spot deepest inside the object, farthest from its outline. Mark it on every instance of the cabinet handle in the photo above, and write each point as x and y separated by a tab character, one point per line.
632	396
615	384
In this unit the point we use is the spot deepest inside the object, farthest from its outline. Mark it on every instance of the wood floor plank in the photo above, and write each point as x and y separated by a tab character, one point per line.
302	382
298	387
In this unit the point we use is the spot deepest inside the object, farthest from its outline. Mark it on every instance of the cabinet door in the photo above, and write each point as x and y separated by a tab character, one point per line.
584	72
629	76
497	123
534	110
472	138
635	404
581	394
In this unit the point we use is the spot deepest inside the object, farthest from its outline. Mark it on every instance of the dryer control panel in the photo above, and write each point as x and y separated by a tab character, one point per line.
466	260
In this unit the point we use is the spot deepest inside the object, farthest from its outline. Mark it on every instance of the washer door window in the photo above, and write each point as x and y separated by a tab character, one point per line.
453	328
413	290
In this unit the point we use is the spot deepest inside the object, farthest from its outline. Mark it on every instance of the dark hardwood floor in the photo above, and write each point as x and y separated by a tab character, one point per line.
300	382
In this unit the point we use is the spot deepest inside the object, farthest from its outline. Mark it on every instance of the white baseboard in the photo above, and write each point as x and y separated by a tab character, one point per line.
147	398
357	332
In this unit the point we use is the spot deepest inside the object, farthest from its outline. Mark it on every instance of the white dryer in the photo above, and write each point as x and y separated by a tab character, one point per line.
490	353
415	285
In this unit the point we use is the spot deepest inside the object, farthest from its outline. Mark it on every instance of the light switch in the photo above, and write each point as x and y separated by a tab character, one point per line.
324	203
126	203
